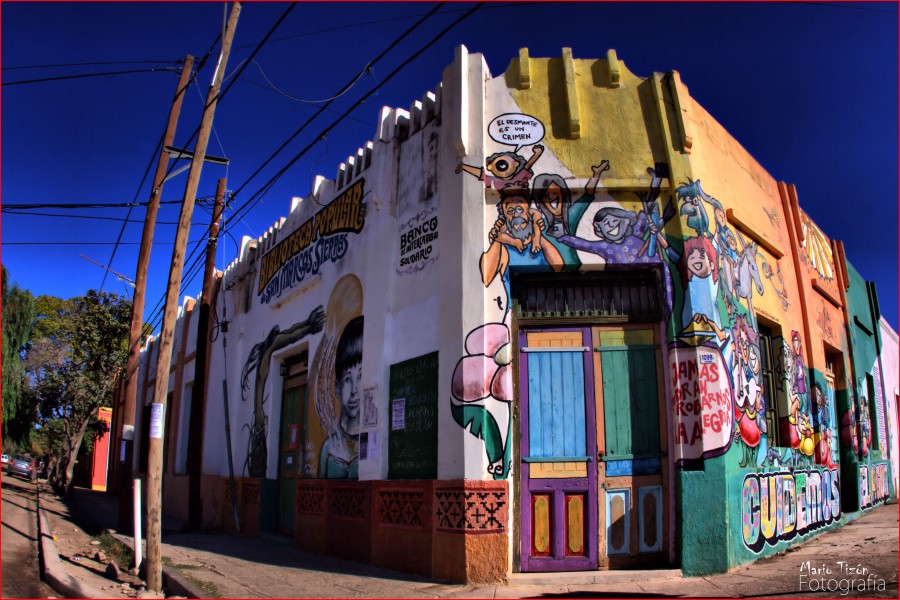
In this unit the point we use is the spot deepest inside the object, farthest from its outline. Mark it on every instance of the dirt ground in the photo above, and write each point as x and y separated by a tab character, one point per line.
81	543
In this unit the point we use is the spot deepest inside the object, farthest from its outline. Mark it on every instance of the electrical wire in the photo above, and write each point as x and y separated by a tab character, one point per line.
92	217
5	243
367	124
248	205
222	93
504	5
286	95
158	149
186	279
214	130
30	206
88	64
346	87
85	75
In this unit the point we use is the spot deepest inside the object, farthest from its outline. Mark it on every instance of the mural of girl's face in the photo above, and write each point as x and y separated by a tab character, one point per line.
553	201
348	386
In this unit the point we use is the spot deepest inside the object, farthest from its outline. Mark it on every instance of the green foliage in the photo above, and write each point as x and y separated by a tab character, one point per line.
18	320
82	347
115	550
51	313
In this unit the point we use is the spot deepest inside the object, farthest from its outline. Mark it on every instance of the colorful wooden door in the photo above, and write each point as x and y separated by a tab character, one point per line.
631	447
558	482
289	456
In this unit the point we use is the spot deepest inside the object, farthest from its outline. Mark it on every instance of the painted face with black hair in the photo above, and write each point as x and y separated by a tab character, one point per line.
612	224
553	200
348	387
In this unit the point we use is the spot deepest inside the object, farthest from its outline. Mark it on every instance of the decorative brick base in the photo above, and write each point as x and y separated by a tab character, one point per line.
449	530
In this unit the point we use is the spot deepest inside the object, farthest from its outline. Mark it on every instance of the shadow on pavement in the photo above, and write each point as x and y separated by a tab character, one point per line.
19	531
95	511
259	551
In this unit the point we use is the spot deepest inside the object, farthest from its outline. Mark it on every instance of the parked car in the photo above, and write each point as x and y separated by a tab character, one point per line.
5	461
24	466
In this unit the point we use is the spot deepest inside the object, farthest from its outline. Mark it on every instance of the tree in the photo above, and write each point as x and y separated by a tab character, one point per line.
74	368
18	320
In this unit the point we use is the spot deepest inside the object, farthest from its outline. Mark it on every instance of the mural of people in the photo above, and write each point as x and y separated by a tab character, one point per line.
517	221
507	169
797	427
864	423
749	406
259	360
520	229
561	215
339	456
745	275
849	437
826	448
692	195
482	380
799	371
337	379
699	272
625	237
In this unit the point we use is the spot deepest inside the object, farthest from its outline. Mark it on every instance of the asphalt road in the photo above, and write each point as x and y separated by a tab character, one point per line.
20	570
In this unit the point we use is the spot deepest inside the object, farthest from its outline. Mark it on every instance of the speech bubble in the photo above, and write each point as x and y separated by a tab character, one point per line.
516	129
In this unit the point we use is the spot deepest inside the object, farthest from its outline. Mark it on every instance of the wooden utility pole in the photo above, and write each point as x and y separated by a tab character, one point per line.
157	419
140	293
198	391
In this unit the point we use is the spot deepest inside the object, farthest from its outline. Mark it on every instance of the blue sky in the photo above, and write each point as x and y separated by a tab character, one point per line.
809	89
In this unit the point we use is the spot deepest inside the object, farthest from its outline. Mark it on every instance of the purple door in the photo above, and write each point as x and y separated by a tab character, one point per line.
558	447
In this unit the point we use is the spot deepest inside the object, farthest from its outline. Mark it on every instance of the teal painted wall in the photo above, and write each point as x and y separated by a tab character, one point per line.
702	546
867	465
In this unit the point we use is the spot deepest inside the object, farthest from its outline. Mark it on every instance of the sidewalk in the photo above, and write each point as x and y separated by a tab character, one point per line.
218	565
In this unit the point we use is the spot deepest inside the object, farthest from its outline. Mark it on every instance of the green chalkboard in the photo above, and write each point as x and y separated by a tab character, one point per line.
412	418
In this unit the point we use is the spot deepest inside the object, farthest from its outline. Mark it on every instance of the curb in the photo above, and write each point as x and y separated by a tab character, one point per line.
52	568
173	581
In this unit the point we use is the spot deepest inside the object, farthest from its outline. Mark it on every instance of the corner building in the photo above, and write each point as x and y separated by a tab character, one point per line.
556	319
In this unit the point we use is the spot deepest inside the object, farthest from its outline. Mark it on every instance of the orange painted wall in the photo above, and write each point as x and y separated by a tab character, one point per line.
101	454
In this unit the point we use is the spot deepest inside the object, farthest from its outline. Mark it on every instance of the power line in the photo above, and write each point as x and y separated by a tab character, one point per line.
87	64
256	197
5	243
219	98
346	87
18	206
162	136
504	5
322	101
93	217
84	75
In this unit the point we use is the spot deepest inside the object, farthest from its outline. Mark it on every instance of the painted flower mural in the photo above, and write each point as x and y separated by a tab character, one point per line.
482	392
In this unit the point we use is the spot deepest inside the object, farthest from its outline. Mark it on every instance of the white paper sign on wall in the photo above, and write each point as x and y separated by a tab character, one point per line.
156	420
